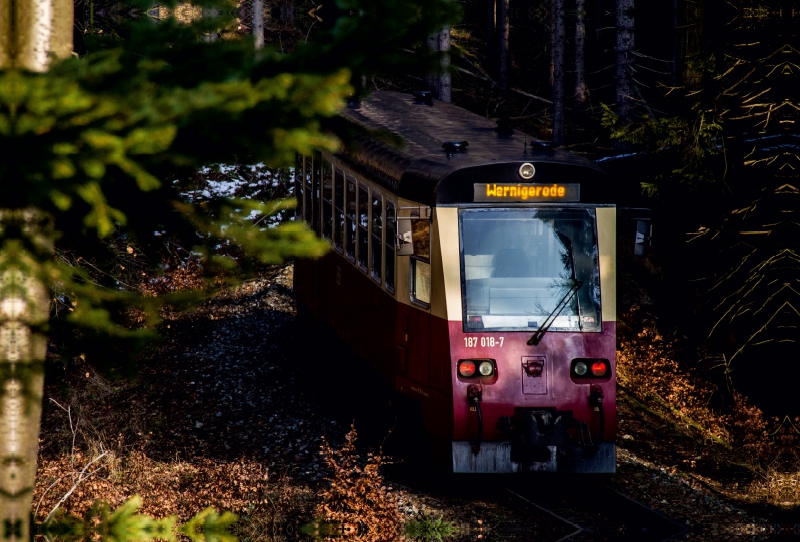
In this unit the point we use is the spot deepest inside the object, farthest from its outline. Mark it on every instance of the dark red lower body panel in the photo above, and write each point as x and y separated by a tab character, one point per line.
418	354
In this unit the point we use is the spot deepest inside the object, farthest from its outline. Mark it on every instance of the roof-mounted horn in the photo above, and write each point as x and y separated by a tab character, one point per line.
423	97
454	146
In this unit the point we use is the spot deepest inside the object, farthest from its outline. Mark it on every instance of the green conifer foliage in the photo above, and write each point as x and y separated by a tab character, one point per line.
89	149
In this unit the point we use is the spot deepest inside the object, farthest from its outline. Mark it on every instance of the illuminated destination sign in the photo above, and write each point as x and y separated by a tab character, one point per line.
527	192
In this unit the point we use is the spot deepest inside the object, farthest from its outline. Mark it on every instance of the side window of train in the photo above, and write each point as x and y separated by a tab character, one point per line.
420	261
327	199
308	191
350	224
298	185
376	229
391	234
338	213
363	226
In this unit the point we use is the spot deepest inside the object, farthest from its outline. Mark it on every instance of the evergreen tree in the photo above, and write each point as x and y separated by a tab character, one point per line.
624	49
87	145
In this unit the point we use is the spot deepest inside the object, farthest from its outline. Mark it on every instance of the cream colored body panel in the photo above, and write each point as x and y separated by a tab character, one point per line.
607	245
438	293
447	228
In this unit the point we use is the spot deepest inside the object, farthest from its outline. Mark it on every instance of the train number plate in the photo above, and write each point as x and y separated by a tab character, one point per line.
483	342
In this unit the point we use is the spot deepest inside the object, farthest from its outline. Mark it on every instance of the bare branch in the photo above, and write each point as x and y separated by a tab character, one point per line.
82	476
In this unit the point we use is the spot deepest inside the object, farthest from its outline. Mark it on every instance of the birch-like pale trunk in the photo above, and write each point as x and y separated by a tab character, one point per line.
24	308
258	23
581	92
558	73
624	51
32	34
504	31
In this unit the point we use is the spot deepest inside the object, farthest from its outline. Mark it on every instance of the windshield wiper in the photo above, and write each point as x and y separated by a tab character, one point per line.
574	279
539	333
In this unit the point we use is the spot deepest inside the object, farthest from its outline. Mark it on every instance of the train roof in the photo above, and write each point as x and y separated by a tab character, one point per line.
421	170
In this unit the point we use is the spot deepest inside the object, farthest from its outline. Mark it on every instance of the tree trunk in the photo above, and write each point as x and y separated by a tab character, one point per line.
286	12
581	92
624	50
432	76
445	82
552	40
258	23
491	34
211	13
33	30
558	73
24	308
438	79
32	33
505	26
676	44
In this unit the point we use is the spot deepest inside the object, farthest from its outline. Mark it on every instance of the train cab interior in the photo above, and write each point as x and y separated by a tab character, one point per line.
519	264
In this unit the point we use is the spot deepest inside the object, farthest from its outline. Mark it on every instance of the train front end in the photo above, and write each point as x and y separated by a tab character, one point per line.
529	272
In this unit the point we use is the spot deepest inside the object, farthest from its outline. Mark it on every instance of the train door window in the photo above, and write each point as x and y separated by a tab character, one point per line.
420	281
350	224
363	226
338	210
421	237
298	185
376	227
390	241
308	191
327	198
420	261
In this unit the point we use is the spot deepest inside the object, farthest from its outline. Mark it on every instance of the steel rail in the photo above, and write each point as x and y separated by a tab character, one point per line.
652	518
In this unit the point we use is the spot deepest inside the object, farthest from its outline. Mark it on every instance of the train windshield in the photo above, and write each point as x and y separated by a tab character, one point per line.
520	266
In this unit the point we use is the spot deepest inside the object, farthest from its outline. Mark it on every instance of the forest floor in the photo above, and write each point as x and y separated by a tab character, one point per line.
226	413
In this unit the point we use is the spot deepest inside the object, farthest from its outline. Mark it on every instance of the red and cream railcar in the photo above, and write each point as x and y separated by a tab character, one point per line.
478	279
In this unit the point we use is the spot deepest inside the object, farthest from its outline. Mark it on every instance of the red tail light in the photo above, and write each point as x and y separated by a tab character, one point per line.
587	369
599	368
466	368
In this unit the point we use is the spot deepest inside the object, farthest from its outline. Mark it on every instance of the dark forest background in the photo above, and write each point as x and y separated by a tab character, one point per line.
690	106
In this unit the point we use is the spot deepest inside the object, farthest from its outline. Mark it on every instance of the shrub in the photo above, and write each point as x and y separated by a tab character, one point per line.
357	500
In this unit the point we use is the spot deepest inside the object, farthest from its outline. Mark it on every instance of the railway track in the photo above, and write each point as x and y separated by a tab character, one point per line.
592	511
553	508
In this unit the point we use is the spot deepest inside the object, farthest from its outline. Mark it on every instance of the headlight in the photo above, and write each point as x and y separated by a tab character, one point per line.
486	368
527	171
